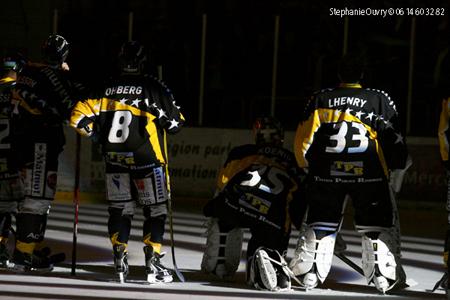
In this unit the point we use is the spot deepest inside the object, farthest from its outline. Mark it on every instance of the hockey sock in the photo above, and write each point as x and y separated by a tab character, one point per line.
119	226
30	231
25	247
154	228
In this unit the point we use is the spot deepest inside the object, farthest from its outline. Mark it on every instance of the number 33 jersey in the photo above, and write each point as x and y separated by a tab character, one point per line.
350	134
129	119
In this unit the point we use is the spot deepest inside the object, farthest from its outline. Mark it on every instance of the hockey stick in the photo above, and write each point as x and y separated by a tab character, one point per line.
76	201
169	208
349	262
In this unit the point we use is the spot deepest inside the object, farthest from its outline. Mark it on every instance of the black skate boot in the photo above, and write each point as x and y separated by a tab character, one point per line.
24	262
121	261
155	271
4	256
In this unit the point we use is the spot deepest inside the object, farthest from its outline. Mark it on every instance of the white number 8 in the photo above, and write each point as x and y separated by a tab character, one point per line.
120	126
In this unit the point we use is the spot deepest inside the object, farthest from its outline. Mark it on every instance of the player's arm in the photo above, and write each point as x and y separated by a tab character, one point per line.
443	132
167	111
84	115
304	135
392	141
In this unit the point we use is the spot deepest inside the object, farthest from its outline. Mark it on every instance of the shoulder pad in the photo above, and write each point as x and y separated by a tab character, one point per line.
242	151
389	101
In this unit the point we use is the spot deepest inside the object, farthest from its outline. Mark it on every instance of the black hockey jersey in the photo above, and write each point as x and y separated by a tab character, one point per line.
6	86
46	93
262	183
129	119
350	134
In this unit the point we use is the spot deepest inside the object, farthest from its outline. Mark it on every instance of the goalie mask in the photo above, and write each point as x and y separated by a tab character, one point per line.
269	271
55	50
268	130
132	57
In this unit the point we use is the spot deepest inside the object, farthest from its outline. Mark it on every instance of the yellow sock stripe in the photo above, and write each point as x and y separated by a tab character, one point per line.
25	247
114	240
156	246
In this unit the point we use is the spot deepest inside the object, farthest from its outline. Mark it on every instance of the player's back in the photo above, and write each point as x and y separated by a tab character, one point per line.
127	120
345	127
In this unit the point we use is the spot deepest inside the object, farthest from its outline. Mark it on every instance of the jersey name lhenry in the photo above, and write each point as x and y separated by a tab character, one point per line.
346	100
124	89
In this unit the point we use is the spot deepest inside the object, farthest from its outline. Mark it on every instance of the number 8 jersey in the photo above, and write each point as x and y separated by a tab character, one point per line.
129	120
350	134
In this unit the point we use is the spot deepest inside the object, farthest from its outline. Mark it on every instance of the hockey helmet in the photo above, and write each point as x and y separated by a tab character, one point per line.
55	50
268	130
13	63
132	57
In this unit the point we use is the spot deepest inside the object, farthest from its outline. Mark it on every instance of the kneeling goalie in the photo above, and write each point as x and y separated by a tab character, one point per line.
258	188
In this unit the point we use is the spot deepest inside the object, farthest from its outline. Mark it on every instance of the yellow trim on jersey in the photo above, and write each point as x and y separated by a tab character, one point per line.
350	85
232	168
154	140
443	128
6	79
304	136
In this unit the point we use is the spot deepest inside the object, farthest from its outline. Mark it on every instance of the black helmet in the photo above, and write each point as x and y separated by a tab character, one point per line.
268	130
55	50
132	57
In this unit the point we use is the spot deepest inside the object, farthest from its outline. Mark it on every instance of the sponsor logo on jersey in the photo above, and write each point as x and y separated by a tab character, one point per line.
124	89
38	177
346	100
121	158
344	168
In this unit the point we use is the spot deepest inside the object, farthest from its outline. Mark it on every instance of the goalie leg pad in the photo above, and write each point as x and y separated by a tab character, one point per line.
314	253
223	250
379	263
268	270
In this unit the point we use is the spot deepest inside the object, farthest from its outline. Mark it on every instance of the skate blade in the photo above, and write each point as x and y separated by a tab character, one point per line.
25	269
153	278
122	277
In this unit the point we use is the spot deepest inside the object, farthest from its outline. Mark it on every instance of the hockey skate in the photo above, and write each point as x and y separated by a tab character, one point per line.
121	262
24	262
155	271
4	256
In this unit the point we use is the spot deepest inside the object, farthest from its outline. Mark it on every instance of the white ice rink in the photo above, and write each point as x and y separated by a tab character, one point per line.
95	277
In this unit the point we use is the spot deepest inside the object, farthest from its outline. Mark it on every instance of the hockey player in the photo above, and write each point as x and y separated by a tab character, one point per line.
258	188
11	187
45	94
349	141
443	134
130	119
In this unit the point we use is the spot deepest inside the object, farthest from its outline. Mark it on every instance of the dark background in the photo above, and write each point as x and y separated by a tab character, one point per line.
239	51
